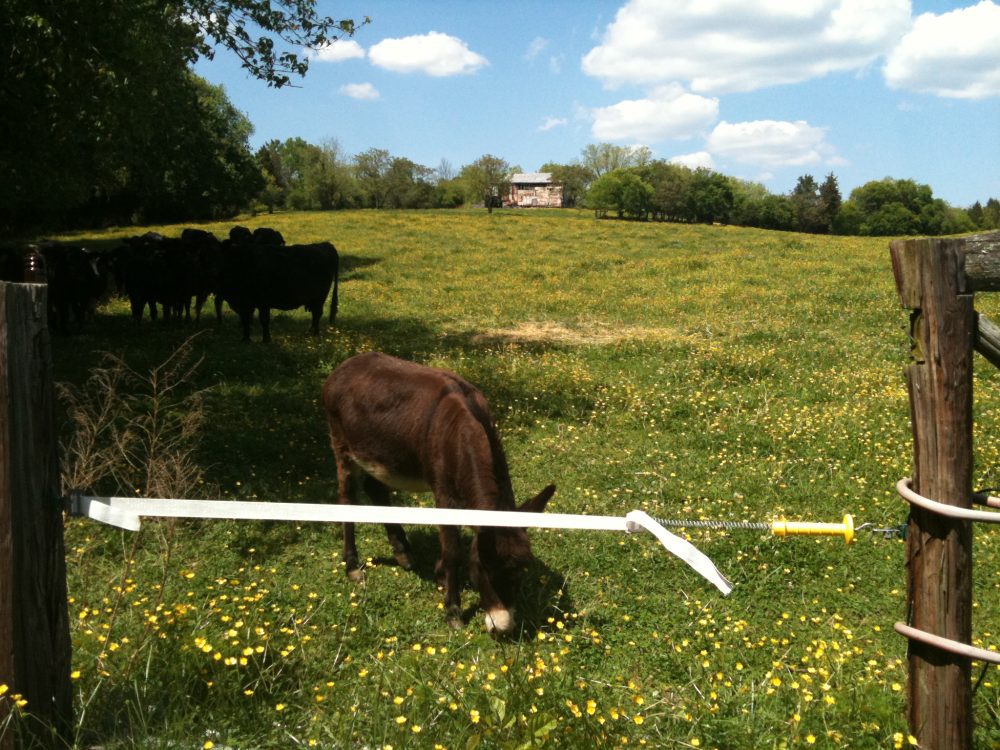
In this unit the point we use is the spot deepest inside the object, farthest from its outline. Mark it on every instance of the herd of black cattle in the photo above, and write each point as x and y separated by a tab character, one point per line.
249	271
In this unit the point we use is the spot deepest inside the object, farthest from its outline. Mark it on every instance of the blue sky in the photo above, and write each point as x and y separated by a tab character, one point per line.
766	91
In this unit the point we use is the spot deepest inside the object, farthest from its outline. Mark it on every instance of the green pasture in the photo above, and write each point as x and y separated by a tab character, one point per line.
690	371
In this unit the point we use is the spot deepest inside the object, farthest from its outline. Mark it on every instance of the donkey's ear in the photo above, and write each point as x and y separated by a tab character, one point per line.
537	503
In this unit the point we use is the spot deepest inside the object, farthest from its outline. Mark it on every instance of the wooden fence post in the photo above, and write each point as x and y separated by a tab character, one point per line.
930	280
34	626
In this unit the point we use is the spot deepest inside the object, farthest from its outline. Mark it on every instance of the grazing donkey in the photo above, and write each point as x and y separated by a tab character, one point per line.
396	424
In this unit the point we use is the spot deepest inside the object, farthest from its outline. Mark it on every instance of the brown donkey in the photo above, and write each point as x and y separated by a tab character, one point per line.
396	424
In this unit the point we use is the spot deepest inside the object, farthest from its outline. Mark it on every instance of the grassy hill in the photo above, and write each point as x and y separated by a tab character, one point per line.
690	371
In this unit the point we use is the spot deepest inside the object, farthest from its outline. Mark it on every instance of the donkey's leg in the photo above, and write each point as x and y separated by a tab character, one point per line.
380	495
345	492
447	574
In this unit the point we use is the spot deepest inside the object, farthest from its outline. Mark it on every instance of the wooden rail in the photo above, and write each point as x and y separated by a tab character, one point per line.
937	280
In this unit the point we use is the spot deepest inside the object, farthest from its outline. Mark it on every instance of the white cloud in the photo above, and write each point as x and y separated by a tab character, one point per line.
337	51
695	160
771	143
956	54
721	46
552	122
435	54
668	112
535	48
360	91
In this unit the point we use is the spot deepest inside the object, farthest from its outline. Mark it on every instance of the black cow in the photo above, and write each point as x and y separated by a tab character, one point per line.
210	261
264	277
11	263
76	282
76	277
157	270
239	234
260	236
267	236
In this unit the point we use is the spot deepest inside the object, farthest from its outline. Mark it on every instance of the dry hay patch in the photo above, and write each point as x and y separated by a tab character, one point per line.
588	333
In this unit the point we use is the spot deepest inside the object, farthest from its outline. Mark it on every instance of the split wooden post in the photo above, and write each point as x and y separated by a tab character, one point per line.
34	626
937	280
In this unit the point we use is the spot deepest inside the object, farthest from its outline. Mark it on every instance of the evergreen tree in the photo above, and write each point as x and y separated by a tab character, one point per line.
808	206
975	212
830	200
991	214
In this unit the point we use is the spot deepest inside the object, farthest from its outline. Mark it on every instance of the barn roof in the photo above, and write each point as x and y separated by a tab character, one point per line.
532	178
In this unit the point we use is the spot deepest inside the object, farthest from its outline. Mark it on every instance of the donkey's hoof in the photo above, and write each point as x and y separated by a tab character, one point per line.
356	575
404	560
454	617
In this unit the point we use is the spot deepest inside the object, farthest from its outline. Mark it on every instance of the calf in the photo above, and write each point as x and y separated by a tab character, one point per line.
395	424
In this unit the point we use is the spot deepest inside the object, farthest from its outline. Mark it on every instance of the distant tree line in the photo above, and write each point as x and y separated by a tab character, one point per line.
301	176
620	181
632	185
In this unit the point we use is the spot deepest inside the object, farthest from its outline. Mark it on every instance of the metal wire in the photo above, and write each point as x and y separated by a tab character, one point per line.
710	524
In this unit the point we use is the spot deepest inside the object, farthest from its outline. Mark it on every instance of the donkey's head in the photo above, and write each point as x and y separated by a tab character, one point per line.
497	560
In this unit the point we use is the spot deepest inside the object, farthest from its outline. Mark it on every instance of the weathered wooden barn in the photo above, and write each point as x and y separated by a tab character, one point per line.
535	189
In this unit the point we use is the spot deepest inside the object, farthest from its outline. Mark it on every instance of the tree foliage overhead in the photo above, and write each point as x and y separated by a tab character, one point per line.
251	29
91	89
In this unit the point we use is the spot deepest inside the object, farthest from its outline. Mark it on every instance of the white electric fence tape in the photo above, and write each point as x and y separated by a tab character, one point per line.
125	512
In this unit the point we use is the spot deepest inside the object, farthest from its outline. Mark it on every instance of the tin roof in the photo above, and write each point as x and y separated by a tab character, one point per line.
532	178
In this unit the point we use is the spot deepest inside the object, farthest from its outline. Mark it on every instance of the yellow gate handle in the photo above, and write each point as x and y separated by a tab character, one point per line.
782	527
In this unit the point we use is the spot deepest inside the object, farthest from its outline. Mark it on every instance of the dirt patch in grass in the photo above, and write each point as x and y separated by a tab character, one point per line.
577	334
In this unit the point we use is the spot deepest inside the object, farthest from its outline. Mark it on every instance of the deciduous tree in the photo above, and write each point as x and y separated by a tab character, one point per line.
670	183
710	198
371	168
488	177
574	178
604	158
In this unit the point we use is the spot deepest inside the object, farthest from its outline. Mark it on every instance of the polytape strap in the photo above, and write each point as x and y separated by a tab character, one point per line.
680	548
125	512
